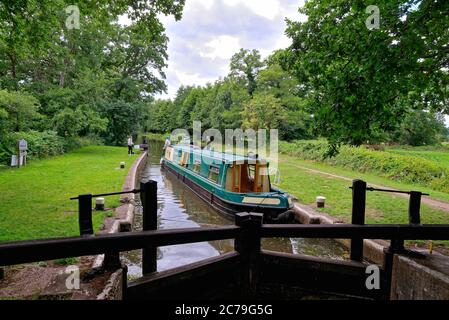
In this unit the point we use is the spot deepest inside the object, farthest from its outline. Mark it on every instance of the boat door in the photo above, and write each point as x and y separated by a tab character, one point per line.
236	178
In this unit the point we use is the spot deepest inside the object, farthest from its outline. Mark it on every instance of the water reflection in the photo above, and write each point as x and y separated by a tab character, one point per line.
179	207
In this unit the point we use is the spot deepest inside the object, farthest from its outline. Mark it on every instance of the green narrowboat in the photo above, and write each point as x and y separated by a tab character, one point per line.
228	182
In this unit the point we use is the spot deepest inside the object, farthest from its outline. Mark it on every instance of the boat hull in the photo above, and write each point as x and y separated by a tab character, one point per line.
224	207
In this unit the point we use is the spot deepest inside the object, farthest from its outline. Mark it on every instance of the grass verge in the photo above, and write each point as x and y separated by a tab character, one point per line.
381	208
34	200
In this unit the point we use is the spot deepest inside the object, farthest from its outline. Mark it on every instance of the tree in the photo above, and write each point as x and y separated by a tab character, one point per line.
124	119
421	128
95	80
161	117
68	122
17	110
245	66
274	80
263	111
357	79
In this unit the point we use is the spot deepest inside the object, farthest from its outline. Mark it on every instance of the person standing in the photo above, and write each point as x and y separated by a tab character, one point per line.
130	145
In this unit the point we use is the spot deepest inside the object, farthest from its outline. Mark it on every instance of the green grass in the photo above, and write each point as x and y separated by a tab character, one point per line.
34	200
369	177
380	207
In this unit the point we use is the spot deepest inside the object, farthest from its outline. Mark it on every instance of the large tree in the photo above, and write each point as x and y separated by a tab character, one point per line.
361	80
81	74
245	65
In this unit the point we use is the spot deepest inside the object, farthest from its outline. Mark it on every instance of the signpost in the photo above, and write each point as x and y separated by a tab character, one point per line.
22	148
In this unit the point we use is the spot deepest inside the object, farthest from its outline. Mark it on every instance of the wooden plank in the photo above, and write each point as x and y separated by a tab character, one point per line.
198	280
288	275
299	260
50	249
347	231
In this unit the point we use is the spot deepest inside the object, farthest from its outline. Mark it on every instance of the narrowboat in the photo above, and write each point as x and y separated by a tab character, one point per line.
228	182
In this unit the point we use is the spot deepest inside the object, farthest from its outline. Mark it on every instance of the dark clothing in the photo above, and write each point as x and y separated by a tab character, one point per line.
130	150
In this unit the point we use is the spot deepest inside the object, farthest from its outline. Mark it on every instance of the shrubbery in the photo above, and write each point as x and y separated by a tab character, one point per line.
397	167
42	144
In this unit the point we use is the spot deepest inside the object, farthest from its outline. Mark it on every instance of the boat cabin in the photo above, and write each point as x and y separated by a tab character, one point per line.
233	173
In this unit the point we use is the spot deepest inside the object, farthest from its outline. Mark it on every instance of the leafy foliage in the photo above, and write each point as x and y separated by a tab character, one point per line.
360	81
95	80
245	66
421	128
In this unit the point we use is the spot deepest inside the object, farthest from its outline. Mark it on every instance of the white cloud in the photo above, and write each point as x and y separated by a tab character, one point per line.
193	78
269	9
222	47
211	31
206	4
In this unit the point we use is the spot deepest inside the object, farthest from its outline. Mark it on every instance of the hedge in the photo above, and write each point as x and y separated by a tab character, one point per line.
40	144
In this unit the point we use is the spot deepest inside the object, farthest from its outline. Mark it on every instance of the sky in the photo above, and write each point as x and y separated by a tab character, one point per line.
211	31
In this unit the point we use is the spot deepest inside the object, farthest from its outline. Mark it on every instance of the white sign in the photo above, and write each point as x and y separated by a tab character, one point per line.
13	160
23	145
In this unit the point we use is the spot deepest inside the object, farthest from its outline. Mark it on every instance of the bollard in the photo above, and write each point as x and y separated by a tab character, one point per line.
99	204
320	201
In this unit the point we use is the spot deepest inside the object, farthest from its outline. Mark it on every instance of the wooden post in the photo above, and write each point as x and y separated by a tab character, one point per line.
85	214
358	216
396	246
414	207
248	245
124	281
148	197
112	261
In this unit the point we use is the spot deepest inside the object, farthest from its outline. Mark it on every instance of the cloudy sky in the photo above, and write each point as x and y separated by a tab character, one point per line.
211	31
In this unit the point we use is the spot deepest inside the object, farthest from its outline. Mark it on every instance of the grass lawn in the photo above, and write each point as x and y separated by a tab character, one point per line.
34	200
368	177
381	207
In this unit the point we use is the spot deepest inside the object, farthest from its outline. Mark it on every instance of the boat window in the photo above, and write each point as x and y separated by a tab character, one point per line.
197	166
214	173
185	159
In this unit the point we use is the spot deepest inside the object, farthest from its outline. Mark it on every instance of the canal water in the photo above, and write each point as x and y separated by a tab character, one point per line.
179	207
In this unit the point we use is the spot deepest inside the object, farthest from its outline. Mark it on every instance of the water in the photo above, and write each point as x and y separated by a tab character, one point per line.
179	207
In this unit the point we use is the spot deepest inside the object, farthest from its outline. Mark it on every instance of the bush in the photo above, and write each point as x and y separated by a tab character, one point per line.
43	144
40	144
397	167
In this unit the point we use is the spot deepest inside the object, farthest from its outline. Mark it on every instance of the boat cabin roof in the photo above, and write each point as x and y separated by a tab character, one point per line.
218	157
